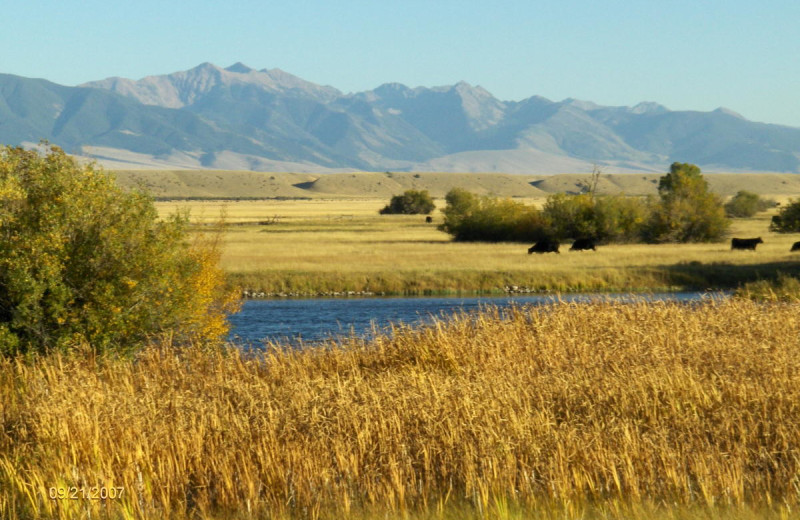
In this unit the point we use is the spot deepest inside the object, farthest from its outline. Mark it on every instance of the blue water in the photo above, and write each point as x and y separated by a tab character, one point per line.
314	320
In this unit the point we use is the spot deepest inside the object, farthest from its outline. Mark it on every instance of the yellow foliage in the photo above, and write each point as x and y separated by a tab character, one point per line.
213	300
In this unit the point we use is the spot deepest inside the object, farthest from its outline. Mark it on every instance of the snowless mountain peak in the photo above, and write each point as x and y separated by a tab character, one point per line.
181	89
240	68
648	107
580	104
269	114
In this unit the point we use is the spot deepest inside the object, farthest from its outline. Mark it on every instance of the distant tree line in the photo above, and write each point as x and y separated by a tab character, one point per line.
684	211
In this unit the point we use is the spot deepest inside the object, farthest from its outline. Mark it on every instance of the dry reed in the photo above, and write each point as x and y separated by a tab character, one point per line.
609	408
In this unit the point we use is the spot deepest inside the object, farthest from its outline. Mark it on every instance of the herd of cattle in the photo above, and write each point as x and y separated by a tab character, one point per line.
549	245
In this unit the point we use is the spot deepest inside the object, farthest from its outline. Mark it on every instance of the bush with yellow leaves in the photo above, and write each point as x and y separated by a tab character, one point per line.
82	261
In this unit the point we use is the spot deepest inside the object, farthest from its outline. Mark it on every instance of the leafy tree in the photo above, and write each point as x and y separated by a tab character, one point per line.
683	179
571	216
746	204
459	208
83	261
686	210
411	202
788	218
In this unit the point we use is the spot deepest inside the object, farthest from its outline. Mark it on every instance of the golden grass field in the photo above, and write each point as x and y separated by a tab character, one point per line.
323	246
570	411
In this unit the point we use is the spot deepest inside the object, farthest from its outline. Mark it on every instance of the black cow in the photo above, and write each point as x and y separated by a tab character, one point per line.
428	219
796	246
745	243
583	244
544	246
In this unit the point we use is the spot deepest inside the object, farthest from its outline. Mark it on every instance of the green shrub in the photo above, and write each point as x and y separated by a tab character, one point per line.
571	215
686	210
83	261
621	218
788	218
746	204
468	217
606	219
411	202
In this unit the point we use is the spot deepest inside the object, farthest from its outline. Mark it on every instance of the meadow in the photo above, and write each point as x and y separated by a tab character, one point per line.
328	246
571	411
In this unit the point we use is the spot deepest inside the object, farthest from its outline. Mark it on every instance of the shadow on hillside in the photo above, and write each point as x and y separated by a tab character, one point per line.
700	276
305	185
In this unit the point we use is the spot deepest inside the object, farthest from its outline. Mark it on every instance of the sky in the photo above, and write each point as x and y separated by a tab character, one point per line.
686	55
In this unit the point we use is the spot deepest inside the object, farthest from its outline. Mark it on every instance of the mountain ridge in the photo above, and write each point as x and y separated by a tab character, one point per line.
242	118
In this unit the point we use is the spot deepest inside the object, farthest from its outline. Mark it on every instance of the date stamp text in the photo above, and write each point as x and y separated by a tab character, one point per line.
86	493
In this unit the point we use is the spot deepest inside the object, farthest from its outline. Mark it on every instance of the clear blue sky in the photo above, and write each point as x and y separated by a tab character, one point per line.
687	55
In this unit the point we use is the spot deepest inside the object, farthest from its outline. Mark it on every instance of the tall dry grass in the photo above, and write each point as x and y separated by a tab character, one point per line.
564	411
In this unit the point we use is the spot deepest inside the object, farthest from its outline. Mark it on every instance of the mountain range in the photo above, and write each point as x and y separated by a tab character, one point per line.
239	118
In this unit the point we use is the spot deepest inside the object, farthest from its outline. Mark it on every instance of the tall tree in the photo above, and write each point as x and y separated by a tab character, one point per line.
686	210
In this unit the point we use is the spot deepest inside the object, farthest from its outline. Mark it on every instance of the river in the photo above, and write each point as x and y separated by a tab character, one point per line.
315	319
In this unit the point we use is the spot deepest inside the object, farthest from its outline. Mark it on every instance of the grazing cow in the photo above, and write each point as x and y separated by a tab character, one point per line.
428	219
745	243
544	246
583	244
796	247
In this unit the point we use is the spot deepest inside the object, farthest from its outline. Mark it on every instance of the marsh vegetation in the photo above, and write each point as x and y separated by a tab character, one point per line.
599	410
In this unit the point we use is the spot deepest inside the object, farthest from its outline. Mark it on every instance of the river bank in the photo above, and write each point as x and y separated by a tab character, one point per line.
693	275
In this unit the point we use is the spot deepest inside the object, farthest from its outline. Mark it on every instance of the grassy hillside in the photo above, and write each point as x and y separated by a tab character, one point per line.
241	184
